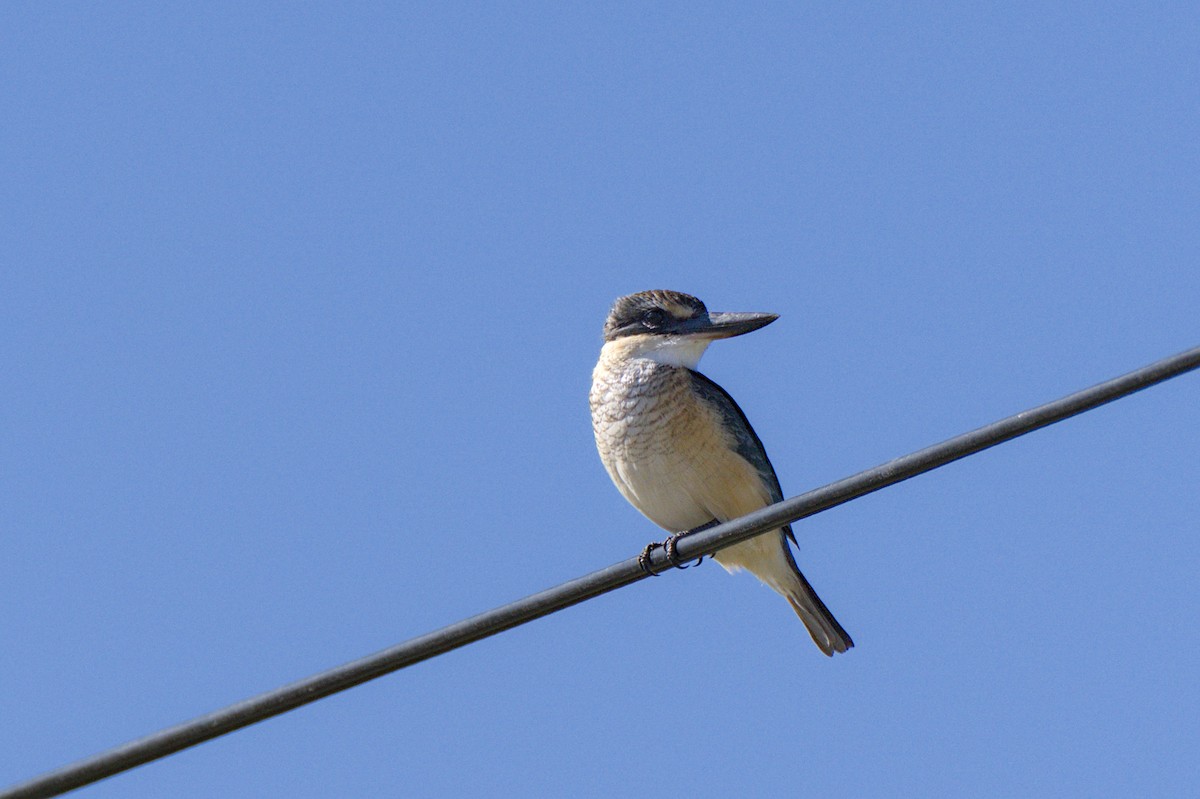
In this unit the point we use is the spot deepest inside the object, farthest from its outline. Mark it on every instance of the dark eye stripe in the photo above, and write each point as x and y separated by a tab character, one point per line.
654	318
628	315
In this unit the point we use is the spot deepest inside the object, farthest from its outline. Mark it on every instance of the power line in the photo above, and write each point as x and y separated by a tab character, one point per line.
705	542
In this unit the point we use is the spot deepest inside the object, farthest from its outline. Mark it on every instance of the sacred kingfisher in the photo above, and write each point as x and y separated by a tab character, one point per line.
680	449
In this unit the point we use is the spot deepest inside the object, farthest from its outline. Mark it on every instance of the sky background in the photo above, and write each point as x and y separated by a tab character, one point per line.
298	309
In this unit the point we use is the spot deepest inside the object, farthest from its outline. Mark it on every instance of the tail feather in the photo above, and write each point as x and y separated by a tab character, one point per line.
769	558
826	633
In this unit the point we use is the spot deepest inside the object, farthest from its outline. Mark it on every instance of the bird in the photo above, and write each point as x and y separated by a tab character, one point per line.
680	449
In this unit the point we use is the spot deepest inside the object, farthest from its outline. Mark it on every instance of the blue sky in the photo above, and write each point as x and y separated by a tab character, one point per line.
297	317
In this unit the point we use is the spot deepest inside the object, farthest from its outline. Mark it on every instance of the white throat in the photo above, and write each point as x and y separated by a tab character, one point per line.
680	351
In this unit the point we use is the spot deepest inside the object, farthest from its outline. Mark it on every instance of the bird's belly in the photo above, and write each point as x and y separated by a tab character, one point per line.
660	487
669	453
688	483
677	494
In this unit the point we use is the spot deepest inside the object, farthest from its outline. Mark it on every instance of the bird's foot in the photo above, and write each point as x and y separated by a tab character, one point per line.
672	553
644	558
669	545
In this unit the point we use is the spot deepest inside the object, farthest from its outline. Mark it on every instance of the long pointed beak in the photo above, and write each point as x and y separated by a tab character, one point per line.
727	325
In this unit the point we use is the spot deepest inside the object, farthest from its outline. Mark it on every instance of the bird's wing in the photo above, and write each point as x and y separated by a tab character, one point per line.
748	444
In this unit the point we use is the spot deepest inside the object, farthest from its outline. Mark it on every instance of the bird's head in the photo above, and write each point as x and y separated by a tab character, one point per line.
672	327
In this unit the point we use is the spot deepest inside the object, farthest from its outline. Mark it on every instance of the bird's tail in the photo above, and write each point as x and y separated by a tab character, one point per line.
769	558
826	633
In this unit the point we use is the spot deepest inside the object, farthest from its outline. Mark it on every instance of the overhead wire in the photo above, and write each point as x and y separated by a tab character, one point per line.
689	547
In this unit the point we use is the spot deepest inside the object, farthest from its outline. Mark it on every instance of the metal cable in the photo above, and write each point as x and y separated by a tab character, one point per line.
705	542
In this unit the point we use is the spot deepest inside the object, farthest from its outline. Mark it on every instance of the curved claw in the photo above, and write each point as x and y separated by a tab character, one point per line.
644	558
670	546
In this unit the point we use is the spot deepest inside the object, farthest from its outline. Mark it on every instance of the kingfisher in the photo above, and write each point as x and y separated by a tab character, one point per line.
681	450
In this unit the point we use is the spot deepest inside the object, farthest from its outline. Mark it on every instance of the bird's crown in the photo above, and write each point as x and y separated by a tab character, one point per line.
650	312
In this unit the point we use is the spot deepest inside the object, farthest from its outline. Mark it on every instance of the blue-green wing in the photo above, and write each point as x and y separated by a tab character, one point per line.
749	446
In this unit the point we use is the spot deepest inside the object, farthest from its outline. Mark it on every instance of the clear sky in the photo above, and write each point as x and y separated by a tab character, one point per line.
298	310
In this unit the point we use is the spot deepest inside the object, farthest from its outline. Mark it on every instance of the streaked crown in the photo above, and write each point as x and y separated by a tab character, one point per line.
651	312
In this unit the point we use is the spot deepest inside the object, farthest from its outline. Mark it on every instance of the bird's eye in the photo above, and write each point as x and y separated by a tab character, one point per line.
654	318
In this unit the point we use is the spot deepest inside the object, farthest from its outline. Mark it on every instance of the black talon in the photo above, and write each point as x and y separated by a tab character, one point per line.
644	558
672	553
670	547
